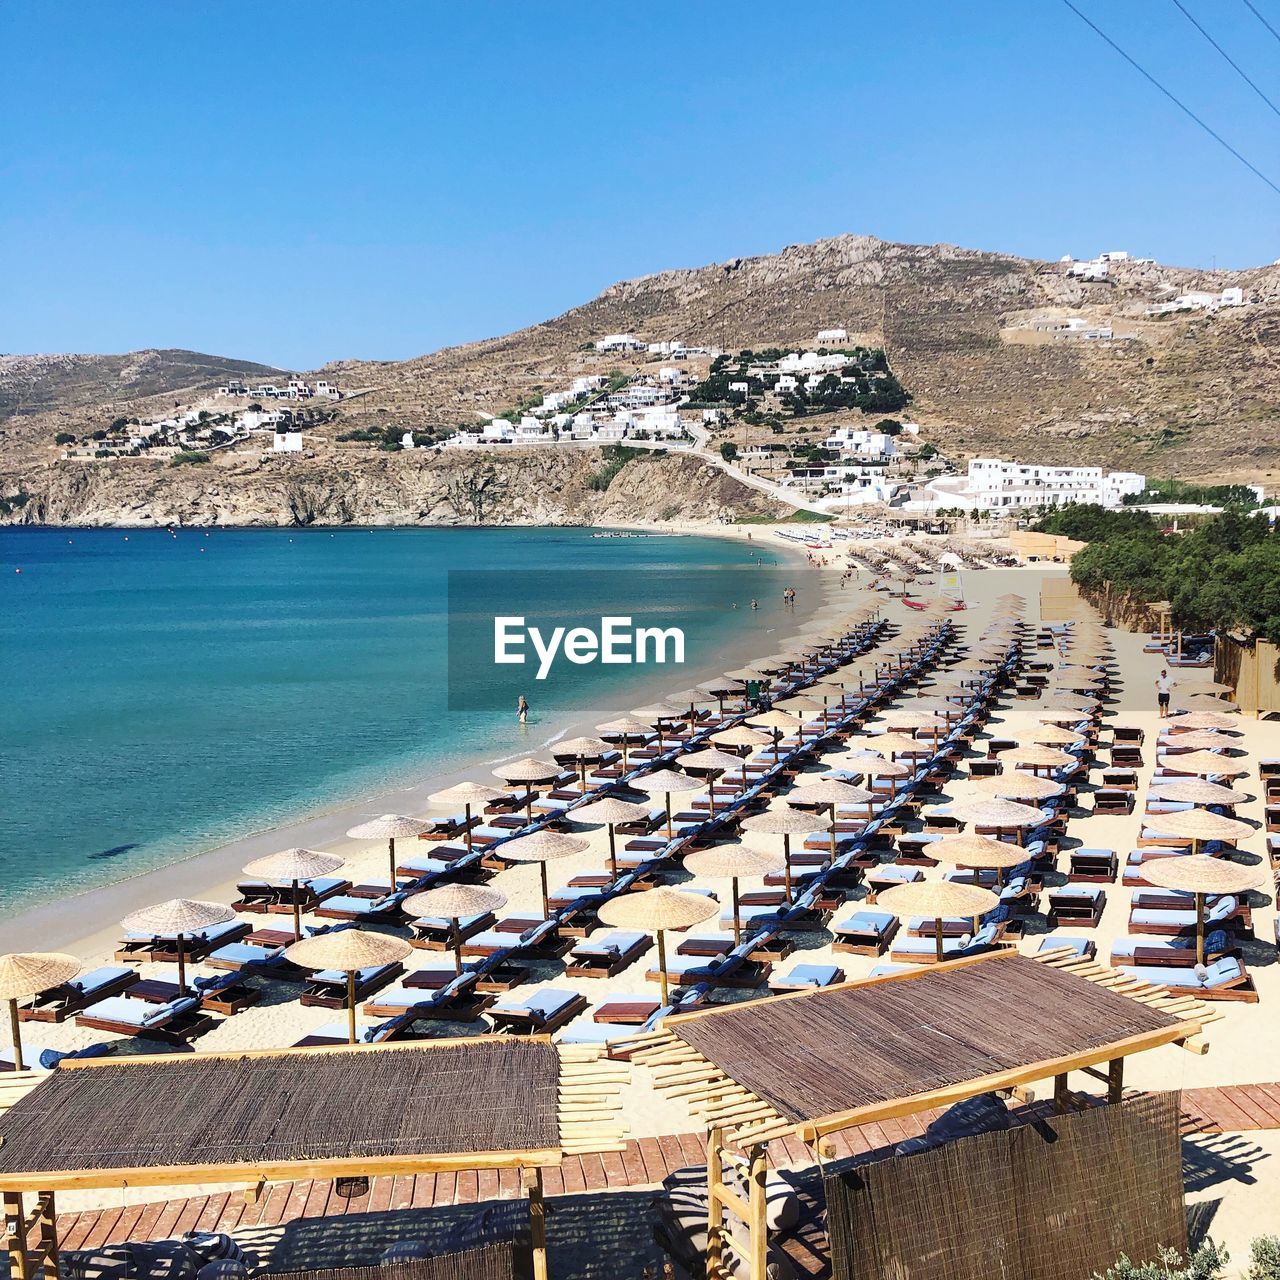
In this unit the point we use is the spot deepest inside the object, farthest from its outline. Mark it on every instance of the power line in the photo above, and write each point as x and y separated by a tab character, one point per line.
1262	20
1177	102
1239	70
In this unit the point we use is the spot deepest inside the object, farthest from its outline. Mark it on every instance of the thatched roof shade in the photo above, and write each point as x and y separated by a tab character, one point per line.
860	1052
175	1119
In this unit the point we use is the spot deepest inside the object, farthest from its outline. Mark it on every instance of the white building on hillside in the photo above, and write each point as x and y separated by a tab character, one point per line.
286	440
1199	301
829	337
996	485
621	342
856	443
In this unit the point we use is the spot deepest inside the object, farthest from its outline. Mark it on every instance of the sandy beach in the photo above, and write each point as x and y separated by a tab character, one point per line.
1244	1043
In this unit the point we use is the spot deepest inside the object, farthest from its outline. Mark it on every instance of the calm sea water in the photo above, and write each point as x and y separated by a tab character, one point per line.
167	693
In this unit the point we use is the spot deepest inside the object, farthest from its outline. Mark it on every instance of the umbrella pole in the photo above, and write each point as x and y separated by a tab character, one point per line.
833	833
466	835
786	865
546	905
737	916
182	969
662	965
16	1025
1199	928
937	936
351	1006
711	794
669	831
297	913
391	853
613	853
456	926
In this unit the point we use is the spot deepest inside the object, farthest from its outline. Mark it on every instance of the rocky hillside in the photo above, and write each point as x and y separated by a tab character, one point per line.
1192	395
541	486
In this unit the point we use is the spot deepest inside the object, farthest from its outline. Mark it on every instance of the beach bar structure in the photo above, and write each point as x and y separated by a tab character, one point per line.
813	1064
253	1118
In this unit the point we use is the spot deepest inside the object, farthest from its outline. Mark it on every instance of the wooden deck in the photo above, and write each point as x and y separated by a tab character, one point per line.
642	1163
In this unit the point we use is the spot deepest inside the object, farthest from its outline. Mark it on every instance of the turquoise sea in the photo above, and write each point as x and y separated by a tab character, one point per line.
166	692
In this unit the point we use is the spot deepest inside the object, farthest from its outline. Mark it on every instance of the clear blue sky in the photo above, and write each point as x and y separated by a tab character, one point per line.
297	180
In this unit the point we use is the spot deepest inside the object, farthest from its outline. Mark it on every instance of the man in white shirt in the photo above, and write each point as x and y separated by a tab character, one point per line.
1164	686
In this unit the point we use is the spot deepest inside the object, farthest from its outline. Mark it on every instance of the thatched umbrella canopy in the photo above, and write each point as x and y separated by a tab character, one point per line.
28	973
453	902
1053	736
1205	740
177	919
1211	686
876	766
583	751
730	862
785	822
1018	786
626	729
529	773
1203	720
969	850
827	793
609	811
1201	875
542	847
741	735
666	783
294	866
994	812
658	910
714	762
661	715
1206	762
468	795
937	899
1199	791
744	675
1203	824
805	707
1206	702
891	744
349	951
1037	757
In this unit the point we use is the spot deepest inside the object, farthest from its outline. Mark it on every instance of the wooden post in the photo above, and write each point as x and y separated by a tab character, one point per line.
391	853
1115	1080
759	1224
16	1229
737	916
537	1222
786	866
351	1006
297	913
1060	1094
662	965
15	1025
48	1211
715	1209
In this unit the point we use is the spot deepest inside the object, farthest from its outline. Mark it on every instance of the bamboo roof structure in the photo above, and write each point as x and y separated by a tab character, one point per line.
184	1119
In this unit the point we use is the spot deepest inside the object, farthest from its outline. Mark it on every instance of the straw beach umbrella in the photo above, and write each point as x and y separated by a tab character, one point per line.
610	811
827	794
1198	825
937	899
626	729
1203	720
582	751
659	715
453	902
178	918
1018	786
998	813
468	795
780	723
1206	762
28	973
1053	736
295	866
1205	740
658	909
729	862
715	763
969	850
1207	702
892	744
529	773
1036	758
349	951
542	847
1199	791
665	783
785	822
1202	875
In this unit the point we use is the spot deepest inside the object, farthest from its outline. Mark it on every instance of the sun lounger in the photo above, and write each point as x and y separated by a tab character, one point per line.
337	1033
865	933
606	955
59	1003
1097	865
888	970
328	988
1224	979
1179	952
1077	904
1112	801
245	957
1228	912
351	906
924	950
440	935
890	874
807	977
538	1012
1081	948
163	949
775	946
715	971
539	938
625	1011
177	1021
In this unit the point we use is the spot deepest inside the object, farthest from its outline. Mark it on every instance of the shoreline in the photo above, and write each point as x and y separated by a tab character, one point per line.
78	922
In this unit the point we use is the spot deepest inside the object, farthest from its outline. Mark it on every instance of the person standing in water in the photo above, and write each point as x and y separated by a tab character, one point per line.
522	709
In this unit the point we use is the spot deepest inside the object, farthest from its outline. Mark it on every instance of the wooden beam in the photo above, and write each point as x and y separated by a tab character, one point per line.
532	1179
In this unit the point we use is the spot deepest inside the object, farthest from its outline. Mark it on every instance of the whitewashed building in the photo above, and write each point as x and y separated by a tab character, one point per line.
621	342
286	440
829	337
995	485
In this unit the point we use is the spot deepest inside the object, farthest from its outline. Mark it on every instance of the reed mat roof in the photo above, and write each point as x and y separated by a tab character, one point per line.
213	1117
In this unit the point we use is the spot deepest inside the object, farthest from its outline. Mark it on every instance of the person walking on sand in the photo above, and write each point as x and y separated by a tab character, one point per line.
1164	686
522	709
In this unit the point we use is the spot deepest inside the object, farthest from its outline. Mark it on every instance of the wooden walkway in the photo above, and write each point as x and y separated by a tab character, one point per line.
642	1163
